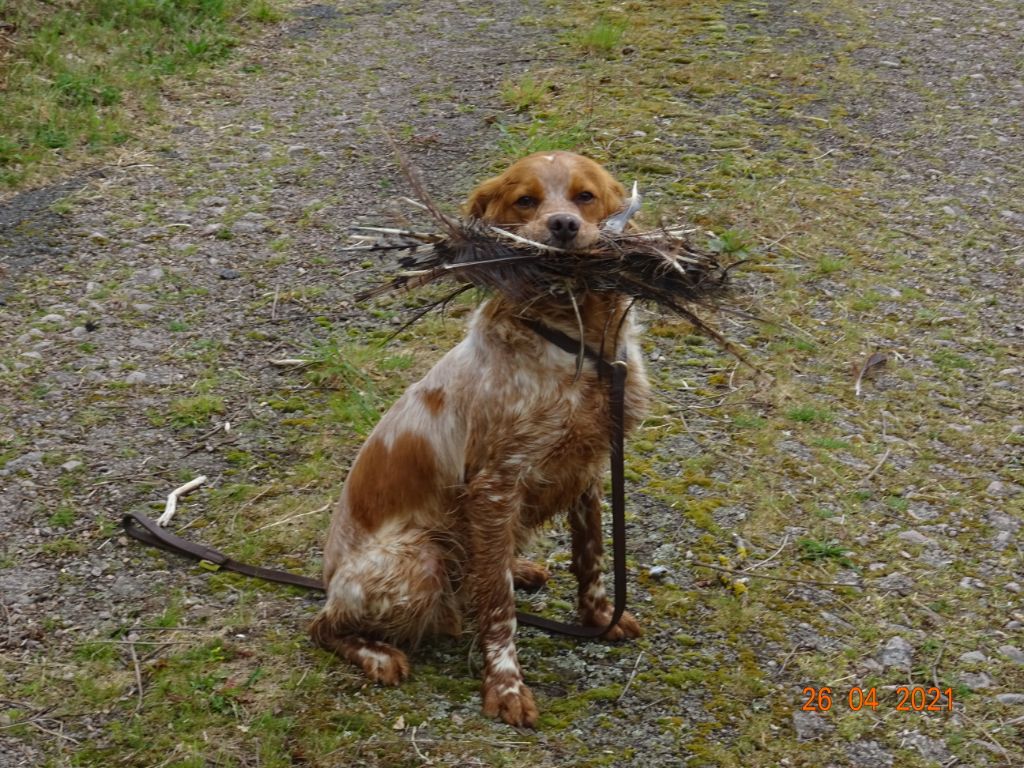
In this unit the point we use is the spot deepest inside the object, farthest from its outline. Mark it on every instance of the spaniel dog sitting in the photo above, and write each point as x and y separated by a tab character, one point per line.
502	434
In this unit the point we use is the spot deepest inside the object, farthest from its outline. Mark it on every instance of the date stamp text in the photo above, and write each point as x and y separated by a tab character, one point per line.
908	699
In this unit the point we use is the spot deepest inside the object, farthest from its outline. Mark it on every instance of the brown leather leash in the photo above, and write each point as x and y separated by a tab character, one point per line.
146	530
616	376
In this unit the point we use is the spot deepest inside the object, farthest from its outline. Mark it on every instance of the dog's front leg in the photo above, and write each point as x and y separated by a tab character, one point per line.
492	511
595	609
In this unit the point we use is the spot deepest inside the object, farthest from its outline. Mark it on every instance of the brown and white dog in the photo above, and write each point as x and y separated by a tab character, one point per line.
499	436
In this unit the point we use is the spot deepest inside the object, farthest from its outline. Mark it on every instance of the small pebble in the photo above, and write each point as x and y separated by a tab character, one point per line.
897	653
229	274
865	754
809	725
871	667
71	466
973	657
1010	698
1002	541
1013	653
914	537
996	488
976	681
899	583
151	275
658	572
144	343
1002	522
249	223
930	749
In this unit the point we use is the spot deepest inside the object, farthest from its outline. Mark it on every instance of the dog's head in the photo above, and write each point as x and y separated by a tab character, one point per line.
556	198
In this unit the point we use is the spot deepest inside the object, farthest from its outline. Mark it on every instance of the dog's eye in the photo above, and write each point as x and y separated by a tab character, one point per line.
584	197
526	202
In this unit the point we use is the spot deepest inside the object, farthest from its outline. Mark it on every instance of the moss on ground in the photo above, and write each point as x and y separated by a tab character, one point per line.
78	78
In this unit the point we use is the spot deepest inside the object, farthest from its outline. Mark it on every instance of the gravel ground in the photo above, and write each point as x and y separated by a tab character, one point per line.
212	248
105	308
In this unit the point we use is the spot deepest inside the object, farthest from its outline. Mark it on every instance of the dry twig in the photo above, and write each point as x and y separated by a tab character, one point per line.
878	466
661	266
172	499
808	582
316	511
632	676
138	676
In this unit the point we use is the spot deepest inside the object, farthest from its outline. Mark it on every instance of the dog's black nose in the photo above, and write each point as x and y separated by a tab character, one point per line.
563	227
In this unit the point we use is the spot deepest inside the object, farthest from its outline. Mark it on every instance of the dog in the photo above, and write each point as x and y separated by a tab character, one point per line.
503	433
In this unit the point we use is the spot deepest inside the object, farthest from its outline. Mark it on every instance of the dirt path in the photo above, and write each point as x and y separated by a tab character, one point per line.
874	156
169	280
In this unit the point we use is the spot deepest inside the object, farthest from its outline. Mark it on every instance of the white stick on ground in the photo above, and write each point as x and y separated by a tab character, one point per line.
317	511
172	500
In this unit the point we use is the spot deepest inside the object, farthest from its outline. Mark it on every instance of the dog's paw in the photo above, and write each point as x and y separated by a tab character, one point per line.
382	663
625	628
529	575
510	700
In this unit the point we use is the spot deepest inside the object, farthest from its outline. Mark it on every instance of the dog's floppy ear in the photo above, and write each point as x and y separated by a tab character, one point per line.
480	199
611	194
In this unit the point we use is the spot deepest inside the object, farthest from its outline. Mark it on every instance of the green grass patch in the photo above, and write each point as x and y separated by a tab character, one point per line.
540	135
831	444
731	242
604	36
64	545
950	361
195	411
526	92
812	549
828	265
809	414
78	75
748	421
63	517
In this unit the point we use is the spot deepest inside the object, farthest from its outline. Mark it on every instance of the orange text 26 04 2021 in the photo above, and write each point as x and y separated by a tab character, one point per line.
907	699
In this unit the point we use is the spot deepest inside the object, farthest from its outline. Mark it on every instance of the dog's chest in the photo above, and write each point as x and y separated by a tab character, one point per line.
573	450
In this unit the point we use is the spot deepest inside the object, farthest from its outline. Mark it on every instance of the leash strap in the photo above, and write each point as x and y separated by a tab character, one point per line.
146	530
616	375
